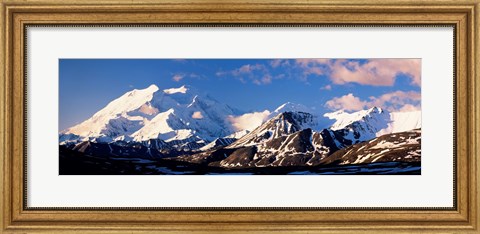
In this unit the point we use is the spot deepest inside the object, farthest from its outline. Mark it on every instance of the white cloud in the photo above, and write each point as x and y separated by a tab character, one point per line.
178	77
347	102
266	79
409	107
197	115
394	101
375	72
326	87
248	121
279	62
258	74
276	62
313	66
397	100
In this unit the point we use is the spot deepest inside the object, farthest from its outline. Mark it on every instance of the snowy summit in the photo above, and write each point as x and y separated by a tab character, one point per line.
171	114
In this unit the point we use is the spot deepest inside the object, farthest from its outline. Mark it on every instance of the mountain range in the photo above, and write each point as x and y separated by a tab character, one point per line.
185	125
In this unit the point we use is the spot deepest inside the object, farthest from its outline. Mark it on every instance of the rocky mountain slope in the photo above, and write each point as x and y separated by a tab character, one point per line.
284	123
288	140
393	147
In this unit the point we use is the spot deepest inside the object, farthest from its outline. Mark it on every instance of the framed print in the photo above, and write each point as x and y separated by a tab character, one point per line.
239	117
185	130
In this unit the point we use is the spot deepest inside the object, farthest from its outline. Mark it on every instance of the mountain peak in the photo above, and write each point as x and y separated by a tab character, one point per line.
284	123
343	119
291	107
152	88
141	92
296	118
182	89
375	110
290	115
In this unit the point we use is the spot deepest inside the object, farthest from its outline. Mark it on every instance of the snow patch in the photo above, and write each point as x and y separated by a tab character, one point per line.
182	89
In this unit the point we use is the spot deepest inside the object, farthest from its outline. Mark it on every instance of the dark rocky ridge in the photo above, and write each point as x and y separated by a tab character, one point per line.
122	149
308	148
395	147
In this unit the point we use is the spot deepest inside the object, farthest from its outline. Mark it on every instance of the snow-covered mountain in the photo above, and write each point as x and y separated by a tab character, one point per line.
343	119
224	141
367	124
306	147
170	114
285	140
402	121
218	143
195	128
238	134
349	128
291	107
293	139
116	119
303	147
282	124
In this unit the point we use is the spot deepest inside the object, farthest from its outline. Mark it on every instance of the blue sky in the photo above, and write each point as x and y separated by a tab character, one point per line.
87	85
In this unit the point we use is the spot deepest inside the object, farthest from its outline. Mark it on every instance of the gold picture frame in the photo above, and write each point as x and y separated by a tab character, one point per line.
18	14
